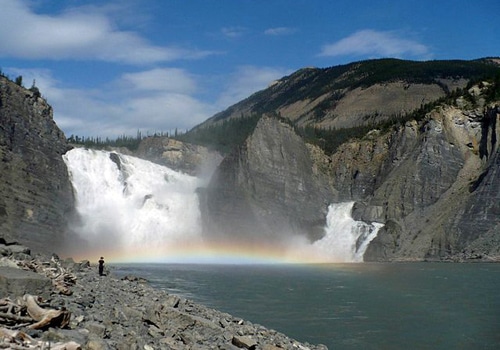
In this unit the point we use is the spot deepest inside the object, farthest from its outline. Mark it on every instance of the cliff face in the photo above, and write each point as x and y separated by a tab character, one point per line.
188	158
438	195
268	188
36	196
433	183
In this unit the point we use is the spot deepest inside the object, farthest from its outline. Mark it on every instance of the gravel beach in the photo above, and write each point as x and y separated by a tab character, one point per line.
108	312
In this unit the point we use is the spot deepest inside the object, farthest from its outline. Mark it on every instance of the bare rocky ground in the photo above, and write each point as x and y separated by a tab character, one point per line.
105	312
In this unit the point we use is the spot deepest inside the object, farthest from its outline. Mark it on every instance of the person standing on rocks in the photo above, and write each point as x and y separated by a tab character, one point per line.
101	266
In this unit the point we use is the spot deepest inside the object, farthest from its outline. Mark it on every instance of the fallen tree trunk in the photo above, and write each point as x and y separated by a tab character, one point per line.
12	339
45	317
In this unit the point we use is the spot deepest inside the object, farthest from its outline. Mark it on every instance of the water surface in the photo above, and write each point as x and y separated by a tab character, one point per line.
349	306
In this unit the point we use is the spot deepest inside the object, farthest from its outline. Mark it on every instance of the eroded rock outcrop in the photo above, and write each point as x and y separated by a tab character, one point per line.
442	198
269	188
188	158
433	183
36	197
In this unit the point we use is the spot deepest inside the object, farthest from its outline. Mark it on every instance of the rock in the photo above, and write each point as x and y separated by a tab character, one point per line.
97	329
244	342
96	344
16	282
36	196
184	157
267	189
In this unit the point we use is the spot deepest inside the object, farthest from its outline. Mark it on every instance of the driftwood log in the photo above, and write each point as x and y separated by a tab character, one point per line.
12	339
45	317
27	312
62	280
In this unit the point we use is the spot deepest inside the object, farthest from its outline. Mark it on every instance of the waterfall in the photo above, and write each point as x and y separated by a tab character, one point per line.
127	202
134	210
346	239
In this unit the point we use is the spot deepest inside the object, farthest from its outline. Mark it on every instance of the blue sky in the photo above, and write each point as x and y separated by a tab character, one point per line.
114	67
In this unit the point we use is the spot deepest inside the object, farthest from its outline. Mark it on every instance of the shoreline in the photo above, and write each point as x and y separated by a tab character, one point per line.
128	313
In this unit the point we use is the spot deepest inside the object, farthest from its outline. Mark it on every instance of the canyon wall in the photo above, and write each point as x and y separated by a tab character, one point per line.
36	197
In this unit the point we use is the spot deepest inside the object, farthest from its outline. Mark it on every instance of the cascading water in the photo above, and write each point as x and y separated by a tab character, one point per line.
135	210
346	239
127	202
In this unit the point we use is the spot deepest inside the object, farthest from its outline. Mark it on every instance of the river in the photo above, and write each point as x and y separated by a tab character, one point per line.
348	306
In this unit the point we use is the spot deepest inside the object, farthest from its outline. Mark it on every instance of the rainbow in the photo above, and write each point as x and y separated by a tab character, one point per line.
198	253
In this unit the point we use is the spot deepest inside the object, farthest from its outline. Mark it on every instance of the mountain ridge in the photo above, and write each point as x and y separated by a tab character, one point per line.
429	177
359	94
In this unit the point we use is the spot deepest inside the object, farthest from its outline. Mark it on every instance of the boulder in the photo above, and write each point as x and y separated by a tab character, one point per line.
17	282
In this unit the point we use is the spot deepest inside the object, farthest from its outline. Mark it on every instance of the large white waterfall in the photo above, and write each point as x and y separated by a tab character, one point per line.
132	209
132	203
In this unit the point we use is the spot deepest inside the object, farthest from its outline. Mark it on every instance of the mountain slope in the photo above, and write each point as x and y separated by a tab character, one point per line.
364	93
431	178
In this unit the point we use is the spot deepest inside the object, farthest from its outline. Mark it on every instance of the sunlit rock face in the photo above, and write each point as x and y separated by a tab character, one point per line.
191	159
478	225
267	189
433	183
36	197
442	199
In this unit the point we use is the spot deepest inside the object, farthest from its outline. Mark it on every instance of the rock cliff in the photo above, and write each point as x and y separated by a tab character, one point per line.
36	197
188	158
432	181
267	189
438	197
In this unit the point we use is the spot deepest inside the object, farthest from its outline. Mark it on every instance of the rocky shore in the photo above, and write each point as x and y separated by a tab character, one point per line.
111	313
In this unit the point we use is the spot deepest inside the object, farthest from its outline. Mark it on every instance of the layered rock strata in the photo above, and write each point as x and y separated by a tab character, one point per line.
36	197
433	183
188	158
268	189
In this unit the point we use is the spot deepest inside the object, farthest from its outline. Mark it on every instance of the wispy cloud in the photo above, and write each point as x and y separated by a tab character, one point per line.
150	101
374	43
233	32
160	79
278	31
82	33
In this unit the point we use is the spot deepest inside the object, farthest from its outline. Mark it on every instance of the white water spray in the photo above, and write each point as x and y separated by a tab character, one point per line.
132	206
346	239
131	202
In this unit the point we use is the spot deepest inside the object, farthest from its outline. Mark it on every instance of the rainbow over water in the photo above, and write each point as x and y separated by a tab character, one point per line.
200	254
132	210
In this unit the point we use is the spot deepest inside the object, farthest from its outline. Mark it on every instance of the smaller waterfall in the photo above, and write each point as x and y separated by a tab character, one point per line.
346	239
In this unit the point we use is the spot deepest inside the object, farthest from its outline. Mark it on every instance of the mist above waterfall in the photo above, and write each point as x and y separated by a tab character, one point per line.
134	210
132	204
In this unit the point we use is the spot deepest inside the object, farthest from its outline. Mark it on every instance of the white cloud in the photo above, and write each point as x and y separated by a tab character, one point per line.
278	31
246	80
233	32
161	79
155	100
135	101
82	33
376	43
